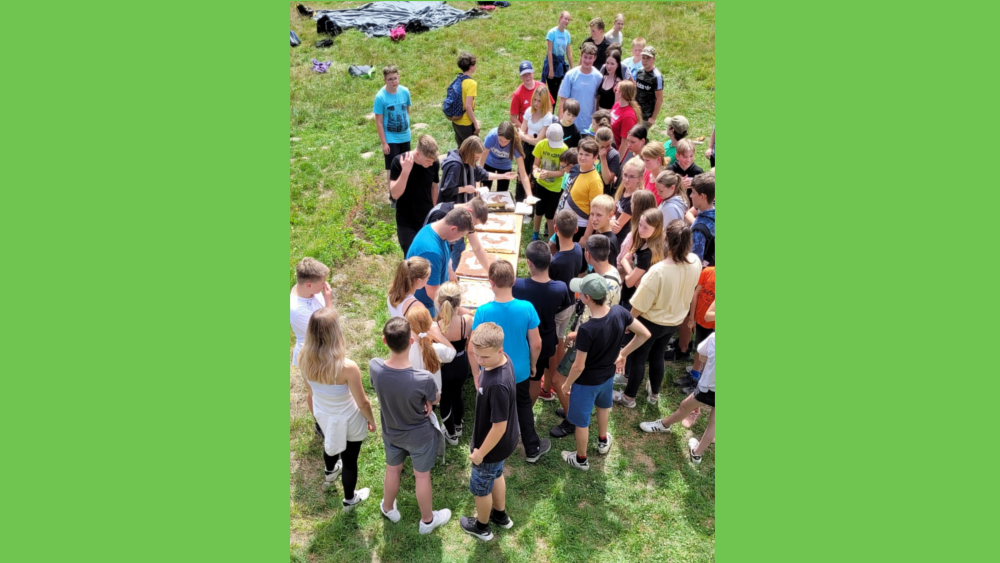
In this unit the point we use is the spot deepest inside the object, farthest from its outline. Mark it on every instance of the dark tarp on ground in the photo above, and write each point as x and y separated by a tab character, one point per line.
376	19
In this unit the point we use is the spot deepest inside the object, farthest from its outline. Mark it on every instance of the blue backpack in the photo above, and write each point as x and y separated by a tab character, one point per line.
454	106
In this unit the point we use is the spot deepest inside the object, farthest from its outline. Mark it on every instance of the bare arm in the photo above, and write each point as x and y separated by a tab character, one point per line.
641	335
470	108
656	108
381	133
398	186
477	249
522	173
353	376
548	55
633	277
434	194
586	234
523	132
569	55
492	438
710	314
535	345
621	221
694	305
473	364
482	159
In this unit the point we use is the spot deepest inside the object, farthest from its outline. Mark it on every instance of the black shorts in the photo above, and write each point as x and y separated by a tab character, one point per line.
395	149
540	366
548	201
705	398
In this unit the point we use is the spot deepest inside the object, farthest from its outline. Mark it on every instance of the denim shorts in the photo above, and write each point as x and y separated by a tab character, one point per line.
483	475
583	398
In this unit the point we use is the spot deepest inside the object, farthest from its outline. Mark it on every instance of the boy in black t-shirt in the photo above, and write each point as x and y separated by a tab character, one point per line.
598	356
413	183
495	434
552	302
567	260
602	209
571	134
684	164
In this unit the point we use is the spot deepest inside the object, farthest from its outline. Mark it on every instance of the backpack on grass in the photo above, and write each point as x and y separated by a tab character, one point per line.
453	105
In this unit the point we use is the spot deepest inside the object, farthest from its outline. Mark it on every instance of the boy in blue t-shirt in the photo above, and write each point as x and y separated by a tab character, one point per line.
581	84
431	243
522	343
392	117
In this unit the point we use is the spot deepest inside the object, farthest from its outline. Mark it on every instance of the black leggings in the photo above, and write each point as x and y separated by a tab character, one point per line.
405	234
350	475
554	84
502	185
652	349
453	376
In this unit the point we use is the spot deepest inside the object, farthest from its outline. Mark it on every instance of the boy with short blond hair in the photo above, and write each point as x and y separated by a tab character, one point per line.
602	209
413	183
523	344
634	64
495	432
683	163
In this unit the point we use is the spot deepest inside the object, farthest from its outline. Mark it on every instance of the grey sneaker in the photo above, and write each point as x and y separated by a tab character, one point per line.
619	398
604	447
570	458
451	438
654	426
543	448
441	518
651	398
470	526
620	380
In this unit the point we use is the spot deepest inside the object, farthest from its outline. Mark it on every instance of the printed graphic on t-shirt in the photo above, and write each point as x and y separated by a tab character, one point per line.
395	118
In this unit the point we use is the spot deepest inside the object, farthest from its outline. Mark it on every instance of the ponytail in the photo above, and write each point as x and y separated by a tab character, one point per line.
449	298
679	241
420	323
506	130
406	276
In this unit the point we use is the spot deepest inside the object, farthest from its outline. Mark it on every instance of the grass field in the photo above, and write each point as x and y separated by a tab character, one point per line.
644	500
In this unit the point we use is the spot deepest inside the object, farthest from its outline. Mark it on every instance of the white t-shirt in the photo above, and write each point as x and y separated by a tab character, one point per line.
399	310
301	310
707	348
444	353
534	128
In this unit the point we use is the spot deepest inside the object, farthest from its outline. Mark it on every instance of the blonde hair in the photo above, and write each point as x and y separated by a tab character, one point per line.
448	300
322	356
639	41
604	135
420	323
545	105
654	149
470	149
603	202
427	146
685	146
408	273
627	90
654	219
669	178
642	200
634	164
311	270
488	335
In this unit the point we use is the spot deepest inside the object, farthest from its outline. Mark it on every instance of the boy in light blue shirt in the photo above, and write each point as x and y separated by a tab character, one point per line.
392	117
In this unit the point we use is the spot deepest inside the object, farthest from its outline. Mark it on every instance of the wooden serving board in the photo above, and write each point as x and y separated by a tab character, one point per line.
469	266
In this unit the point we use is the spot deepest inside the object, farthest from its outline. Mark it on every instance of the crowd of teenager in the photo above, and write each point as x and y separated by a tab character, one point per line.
621	268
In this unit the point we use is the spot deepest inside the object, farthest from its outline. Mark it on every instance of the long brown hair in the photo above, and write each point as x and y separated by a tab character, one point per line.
507	131
627	91
420	323
471	148
322	356
669	178
641	203
408	273
654	219
679	241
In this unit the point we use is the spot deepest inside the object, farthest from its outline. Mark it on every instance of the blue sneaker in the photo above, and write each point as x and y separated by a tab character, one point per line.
534	237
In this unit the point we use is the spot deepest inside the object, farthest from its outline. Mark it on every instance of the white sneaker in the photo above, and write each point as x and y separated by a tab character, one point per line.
330	479
689	369
604	448
692	446
359	495
392	515
452	439
570	458
620	380
441	518
655	426
650	397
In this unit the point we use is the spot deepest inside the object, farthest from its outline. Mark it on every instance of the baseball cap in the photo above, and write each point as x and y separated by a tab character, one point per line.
678	123
591	285
650	51
555	136
526	67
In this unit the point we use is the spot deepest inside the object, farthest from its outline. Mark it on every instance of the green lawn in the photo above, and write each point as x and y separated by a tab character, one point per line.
644	500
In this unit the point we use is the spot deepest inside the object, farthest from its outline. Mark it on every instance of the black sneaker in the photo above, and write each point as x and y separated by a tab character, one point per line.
543	448
303	11
675	355
564	429
470	526
689	390
560	412
685	381
324	43
506	523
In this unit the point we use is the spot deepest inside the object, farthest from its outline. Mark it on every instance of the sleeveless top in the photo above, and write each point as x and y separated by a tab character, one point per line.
403	307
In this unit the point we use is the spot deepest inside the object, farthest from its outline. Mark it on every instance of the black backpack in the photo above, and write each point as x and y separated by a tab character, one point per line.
454	106
709	242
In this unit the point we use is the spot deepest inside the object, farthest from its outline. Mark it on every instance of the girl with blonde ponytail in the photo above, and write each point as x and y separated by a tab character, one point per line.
430	348
455	323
